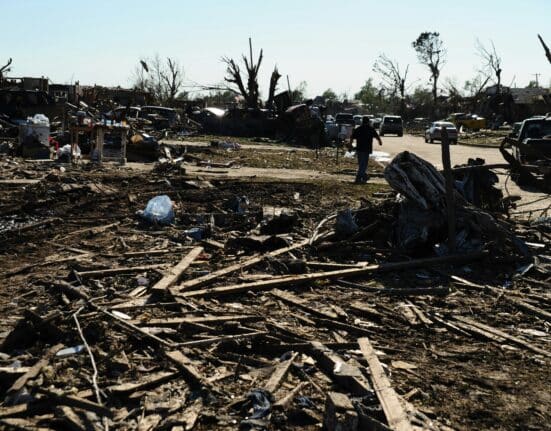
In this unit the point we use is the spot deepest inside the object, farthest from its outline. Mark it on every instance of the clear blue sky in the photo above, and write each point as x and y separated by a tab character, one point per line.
325	43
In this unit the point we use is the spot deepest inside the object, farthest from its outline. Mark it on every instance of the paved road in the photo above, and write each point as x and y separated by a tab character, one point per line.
433	153
530	200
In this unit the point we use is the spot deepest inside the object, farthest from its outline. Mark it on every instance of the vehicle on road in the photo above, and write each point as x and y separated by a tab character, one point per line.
516	129
344	118
433	133
391	124
376	122
534	140
467	121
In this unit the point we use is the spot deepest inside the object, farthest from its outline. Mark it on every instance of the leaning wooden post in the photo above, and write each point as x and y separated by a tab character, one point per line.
450	201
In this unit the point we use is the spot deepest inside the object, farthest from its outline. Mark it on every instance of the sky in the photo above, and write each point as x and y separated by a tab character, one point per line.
327	44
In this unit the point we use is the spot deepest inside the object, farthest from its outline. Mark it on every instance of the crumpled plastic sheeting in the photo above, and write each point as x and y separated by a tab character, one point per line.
417	180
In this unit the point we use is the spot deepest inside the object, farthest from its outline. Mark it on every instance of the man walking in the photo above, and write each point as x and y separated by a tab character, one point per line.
364	135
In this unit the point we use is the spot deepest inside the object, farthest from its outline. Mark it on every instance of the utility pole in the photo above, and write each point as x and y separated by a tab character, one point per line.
537	75
289	88
450	198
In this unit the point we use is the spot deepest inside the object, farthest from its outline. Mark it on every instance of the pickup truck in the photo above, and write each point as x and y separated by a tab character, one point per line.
531	152
534	140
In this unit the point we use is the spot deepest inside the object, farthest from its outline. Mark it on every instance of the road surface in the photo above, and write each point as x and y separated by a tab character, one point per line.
433	153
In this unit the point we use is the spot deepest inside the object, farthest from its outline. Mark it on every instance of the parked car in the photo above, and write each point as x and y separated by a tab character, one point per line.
468	121
391	124
516	129
343	118
375	122
162	118
433	133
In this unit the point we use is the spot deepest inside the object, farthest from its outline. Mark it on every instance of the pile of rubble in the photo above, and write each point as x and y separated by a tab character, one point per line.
262	305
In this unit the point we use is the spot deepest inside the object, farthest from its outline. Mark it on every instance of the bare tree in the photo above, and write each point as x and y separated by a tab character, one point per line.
251	92
172	77
5	68
393	79
162	80
431	52
545	48
492	61
475	87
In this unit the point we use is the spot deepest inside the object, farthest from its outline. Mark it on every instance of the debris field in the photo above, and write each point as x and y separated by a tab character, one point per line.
263	305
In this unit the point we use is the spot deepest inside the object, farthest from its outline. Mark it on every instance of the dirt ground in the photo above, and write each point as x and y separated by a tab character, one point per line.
456	378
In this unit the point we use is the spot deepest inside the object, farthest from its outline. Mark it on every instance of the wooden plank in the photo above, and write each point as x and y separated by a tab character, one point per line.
408	314
129	326
352	272
213	276
96	273
420	315
35	370
189	371
395	413
74	401
70	418
282	403
175	321
213	340
335	324
279	374
148	382
14	370
529	308
340	414
348	376
412	291
298	302
503	335
174	274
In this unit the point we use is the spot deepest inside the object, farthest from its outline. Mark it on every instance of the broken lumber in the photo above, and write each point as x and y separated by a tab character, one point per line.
279	374
529	308
496	332
213	276
73	401
395	413
174	274
353	272
117	271
209	341
175	321
194	377
340	414
295	301
348	376
146	383
35	370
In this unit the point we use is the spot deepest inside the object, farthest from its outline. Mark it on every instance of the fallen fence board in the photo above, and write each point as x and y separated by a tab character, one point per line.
503	335
213	276
279	374
395	413
302	278
173	274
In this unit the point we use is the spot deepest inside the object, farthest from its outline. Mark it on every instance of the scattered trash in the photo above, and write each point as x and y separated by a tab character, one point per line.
159	210
69	351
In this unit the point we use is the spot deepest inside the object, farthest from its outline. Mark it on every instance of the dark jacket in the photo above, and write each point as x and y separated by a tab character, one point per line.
364	138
